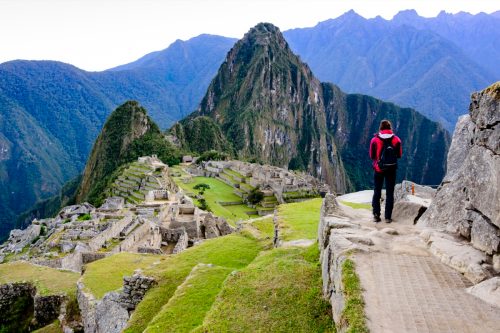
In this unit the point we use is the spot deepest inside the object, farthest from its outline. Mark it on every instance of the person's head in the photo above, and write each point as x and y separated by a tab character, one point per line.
385	125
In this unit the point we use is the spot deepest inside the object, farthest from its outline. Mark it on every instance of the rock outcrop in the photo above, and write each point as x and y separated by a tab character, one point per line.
468	201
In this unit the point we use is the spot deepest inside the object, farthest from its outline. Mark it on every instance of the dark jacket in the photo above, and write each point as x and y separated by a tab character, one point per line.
377	143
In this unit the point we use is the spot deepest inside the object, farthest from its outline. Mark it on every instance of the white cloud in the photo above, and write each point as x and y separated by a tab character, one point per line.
95	35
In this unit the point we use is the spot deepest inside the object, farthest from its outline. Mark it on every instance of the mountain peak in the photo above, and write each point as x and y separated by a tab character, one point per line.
264	34
408	14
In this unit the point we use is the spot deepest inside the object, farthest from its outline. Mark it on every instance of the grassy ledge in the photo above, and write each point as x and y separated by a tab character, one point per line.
191	301
357	205
48	281
299	220
353	315
233	252
279	292
107	274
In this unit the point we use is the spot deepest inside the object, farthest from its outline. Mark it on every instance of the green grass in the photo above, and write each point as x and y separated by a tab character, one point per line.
279	292
48	281
353	314
191	301
233	251
55	327
357	205
265	226
299	220
107	274
219	191
234	173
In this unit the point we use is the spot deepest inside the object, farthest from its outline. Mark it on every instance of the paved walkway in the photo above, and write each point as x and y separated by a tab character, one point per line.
408	293
407	289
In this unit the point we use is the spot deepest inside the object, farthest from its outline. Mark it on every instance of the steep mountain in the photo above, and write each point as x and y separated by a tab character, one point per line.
271	108
399	63
51	113
127	134
476	35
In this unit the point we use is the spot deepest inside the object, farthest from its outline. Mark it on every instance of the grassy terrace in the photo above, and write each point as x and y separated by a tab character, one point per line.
48	281
191	301
234	173
107	274
279	292
232	252
219	191
299	220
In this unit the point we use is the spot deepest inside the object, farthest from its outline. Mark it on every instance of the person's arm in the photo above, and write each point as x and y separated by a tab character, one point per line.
400	148
373	150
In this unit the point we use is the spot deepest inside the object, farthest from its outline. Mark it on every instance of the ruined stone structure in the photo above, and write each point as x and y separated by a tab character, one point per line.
111	313
23	298
468	201
278	185
167	220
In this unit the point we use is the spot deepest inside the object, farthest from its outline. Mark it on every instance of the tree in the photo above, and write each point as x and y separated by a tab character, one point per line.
255	196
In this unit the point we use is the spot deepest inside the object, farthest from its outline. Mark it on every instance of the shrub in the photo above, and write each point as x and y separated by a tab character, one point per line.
84	217
255	196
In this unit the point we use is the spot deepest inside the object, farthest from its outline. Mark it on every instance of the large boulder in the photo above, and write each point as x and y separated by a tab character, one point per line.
411	201
468	201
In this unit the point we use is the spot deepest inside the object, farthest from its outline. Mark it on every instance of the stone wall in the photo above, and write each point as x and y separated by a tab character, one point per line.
73	262
468	201
112	231
182	243
111	313
334	250
21	306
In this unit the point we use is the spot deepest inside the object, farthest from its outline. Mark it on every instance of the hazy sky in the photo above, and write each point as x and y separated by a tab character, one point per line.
99	34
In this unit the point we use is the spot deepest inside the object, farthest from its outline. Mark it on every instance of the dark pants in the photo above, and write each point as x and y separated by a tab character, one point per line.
390	182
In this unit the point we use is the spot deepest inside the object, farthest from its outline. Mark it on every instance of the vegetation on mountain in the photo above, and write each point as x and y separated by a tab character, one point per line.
266	103
212	155
127	134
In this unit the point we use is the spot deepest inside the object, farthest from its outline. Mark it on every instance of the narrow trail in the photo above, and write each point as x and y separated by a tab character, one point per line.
406	288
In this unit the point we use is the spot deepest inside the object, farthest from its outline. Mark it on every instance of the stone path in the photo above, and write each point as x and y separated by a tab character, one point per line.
408	293
407	289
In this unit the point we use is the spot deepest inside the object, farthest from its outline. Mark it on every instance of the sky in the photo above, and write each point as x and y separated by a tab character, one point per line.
99	34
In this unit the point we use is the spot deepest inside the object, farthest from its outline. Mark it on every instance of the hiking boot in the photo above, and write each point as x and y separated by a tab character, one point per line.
376	218
388	220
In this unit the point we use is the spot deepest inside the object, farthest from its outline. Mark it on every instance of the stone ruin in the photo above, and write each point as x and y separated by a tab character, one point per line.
166	221
285	185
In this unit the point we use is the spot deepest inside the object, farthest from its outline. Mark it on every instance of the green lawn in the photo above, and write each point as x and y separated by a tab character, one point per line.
357	205
219	191
299	220
191	301
107	274
48	281
279	292
265	226
233	252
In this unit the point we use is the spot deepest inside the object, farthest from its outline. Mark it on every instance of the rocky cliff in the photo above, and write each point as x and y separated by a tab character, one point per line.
468	202
271	108
127	134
